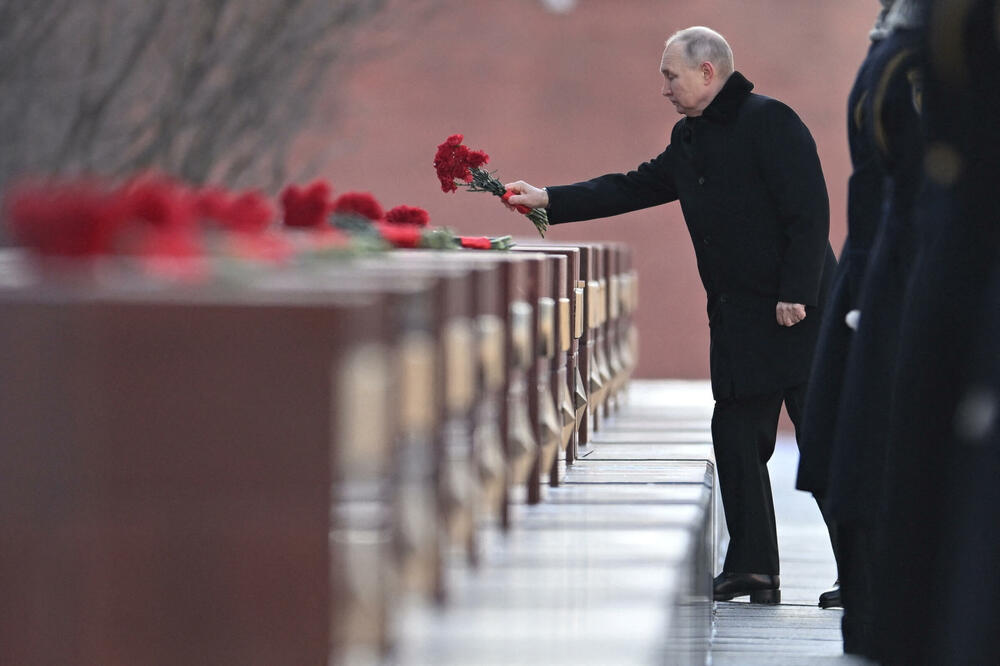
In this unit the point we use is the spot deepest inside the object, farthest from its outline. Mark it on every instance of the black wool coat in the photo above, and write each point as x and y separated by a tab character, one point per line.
754	199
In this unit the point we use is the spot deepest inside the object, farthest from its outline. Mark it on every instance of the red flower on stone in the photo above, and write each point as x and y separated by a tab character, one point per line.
358	203
476	243
159	202
408	215
401	235
308	207
71	220
249	213
212	203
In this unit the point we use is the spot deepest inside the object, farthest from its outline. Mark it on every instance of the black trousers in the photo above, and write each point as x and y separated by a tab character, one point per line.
744	431
862	550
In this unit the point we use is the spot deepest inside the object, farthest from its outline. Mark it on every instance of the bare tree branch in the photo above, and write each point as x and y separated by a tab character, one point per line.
94	102
202	89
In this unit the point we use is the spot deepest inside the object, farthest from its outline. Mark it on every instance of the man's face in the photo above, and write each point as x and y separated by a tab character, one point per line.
685	86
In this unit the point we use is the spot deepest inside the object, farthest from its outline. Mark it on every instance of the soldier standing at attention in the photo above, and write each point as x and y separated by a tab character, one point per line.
745	170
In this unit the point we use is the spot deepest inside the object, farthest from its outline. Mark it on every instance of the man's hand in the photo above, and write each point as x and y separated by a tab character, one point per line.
527	195
788	314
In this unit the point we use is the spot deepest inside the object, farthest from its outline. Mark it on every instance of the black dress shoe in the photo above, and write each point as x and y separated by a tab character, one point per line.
831	598
762	588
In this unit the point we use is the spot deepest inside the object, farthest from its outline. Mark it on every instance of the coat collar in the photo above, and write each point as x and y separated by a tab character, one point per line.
725	105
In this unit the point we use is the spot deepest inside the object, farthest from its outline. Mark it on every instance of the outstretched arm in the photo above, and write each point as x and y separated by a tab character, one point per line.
650	184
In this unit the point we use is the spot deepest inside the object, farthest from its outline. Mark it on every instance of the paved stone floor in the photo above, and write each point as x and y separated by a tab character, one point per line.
796	631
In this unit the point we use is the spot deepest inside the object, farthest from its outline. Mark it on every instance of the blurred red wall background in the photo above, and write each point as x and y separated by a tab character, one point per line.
560	97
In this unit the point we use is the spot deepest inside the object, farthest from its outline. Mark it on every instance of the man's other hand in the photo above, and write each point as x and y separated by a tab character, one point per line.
527	195
788	314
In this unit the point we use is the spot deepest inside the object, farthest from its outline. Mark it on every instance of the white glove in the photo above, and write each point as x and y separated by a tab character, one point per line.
852	319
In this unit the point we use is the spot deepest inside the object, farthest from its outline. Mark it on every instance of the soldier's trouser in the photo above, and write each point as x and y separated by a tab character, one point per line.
861	548
743	435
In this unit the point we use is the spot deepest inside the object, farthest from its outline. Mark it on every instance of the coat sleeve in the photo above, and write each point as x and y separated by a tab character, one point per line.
794	178
650	184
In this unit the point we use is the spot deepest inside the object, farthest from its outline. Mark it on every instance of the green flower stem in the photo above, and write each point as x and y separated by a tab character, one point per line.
484	181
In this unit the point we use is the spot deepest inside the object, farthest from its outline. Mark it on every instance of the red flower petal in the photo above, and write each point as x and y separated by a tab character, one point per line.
477	158
160	202
212	203
453	161
73	220
408	215
306	208
359	203
251	212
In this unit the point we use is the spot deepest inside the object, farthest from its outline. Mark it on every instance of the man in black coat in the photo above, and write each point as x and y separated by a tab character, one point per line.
745	170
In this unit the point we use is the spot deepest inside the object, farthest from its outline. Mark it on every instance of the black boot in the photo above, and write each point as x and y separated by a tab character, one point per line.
831	598
762	588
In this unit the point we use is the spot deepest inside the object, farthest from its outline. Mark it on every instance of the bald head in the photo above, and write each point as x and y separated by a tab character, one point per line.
699	44
696	64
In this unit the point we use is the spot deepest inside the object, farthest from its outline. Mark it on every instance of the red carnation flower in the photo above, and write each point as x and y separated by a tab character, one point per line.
401	235
455	165
212	203
477	158
70	220
453	161
162	203
306	208
408	215
249	213
358	203
476	243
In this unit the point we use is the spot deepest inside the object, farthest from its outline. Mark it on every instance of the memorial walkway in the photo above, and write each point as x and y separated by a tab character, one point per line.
796	632
614	566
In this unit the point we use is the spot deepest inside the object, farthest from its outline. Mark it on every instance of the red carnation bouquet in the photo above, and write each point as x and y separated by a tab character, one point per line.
456	165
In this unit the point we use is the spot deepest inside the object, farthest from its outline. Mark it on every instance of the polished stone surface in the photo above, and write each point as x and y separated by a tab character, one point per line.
611	568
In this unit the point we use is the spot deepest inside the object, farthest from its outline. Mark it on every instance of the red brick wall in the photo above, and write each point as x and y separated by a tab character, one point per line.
559	98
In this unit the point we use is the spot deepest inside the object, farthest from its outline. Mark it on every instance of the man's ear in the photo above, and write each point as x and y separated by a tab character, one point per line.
707	72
